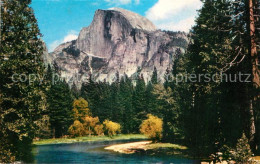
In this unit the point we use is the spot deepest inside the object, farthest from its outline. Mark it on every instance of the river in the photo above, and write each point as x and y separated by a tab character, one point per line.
93	152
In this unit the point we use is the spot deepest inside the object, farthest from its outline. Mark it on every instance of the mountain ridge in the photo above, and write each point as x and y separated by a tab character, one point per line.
118	41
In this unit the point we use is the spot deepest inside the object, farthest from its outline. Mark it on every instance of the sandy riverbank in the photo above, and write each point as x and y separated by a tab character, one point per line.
129	148
148	147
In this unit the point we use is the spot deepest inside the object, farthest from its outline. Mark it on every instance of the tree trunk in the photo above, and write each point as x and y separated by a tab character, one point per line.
253	50
252	127
255	73
54	132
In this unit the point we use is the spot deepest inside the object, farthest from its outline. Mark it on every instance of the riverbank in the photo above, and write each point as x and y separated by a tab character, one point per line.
129	148
88	139
158	149
147	147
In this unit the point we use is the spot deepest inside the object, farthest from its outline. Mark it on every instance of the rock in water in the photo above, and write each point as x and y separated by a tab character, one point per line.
118	41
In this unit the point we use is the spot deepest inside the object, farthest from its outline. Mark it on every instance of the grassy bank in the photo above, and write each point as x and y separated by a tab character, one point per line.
166	149
88	138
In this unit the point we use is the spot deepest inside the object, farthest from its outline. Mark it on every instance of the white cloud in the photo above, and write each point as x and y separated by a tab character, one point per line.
163	8
72	35
164	14
119	2
183	25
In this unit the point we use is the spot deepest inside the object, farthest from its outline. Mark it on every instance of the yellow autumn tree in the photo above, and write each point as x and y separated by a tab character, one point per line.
152	127
99	130
89	124
111	128
76	129
80	109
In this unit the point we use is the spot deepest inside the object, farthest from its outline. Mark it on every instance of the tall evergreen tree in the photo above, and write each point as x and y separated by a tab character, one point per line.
22	103
117	99
60	108
154	78
220	44
208	53
150	100
126	93
139	102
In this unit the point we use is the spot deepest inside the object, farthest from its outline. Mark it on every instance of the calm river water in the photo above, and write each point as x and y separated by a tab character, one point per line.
93	152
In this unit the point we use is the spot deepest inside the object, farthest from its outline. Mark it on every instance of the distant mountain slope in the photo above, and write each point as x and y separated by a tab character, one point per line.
118	41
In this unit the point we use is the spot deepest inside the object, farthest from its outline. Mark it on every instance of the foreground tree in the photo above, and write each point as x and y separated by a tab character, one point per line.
254	26
220	45
22	103
242	153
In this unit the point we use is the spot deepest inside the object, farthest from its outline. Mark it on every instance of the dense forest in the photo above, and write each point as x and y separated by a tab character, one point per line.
208	116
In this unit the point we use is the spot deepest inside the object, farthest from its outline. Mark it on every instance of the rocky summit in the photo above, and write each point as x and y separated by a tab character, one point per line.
118	42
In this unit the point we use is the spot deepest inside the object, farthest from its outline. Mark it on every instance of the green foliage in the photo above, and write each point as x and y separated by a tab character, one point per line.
126	93
169	112
45	127
59	108
242	153
152	127
120	101
89	139
111	128
154	78
224	154
139	101
214	112
21	104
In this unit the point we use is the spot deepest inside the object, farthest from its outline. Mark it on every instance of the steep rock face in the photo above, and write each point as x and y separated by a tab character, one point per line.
118	41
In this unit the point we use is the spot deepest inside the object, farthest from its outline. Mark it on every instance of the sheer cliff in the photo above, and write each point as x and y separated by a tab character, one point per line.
120	41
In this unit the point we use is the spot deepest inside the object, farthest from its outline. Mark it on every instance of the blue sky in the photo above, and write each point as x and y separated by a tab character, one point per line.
62	20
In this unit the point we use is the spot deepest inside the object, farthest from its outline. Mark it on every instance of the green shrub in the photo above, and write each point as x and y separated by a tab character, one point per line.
242	153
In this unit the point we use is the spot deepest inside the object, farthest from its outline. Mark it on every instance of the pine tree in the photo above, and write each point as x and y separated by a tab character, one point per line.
154	78
117	99
242	153
208	53
60	108
75	91
22	103
220	44
139	102
126	93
